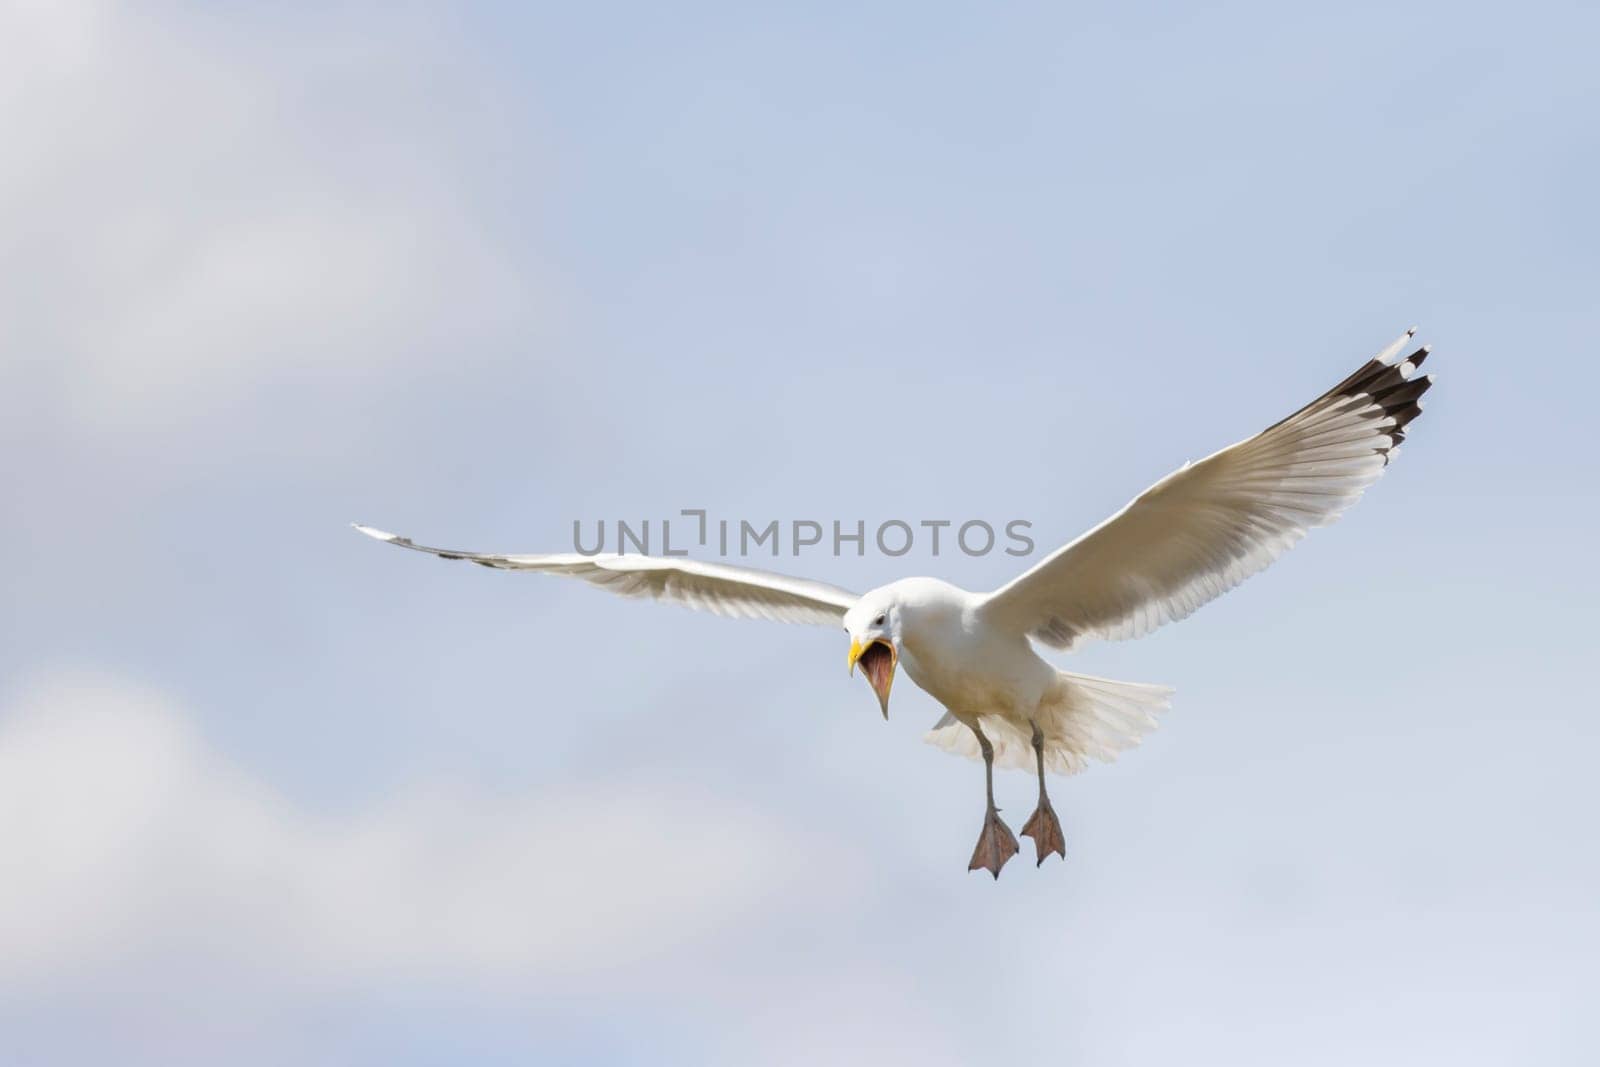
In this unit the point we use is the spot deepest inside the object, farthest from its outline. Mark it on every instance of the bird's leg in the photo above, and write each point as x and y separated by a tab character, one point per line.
996	843
1043	826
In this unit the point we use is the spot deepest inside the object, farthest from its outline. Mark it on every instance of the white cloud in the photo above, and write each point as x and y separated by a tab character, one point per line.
188	214
861	1014
129	838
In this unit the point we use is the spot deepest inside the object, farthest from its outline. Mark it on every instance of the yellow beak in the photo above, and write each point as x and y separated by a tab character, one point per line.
878	667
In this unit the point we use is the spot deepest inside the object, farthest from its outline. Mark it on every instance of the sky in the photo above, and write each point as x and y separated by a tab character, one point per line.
270	792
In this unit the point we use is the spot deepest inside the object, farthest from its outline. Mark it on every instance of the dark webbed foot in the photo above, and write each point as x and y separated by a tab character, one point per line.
1045	829
996	844
1043	826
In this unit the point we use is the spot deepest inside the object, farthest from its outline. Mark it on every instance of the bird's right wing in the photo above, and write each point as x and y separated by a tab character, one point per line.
1206	527
741	592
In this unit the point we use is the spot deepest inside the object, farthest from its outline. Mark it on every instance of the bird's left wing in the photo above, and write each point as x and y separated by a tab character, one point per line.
1207	527
741	592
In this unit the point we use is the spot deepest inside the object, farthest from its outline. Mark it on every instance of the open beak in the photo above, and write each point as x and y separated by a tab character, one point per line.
878	660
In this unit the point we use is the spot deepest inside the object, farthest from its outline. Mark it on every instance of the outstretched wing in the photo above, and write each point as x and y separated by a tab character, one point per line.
741	592
1207	527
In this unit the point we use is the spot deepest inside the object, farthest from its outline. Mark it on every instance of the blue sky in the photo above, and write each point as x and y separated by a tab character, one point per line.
270	791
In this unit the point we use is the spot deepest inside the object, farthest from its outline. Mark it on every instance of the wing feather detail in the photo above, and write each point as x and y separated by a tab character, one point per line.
1208	526
738	592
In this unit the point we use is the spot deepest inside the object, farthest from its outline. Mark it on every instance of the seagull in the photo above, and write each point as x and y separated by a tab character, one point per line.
1184	541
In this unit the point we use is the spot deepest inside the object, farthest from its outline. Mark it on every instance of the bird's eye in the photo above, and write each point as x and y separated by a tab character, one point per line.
879	620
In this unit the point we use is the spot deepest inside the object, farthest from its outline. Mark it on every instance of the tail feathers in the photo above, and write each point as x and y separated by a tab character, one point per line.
1083	718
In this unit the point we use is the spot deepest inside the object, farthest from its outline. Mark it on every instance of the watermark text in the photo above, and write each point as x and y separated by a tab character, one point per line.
694	529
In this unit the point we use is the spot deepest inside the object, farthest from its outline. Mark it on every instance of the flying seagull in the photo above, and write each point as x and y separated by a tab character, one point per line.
1189	538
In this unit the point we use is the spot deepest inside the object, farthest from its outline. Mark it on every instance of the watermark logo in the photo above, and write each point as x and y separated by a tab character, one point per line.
695	528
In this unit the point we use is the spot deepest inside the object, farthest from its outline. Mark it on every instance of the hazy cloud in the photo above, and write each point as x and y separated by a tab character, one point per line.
129	837
188	216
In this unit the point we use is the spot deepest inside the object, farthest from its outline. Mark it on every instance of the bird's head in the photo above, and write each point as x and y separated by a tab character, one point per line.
874	628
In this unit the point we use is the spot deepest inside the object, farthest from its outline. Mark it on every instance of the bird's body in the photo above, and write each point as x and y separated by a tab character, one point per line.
1185	540
972	669
969	667
994	677
990	676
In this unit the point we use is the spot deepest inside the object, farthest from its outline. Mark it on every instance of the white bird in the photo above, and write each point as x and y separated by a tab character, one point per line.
1187	539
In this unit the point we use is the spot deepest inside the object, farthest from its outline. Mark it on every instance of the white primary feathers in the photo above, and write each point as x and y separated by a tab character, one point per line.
715	587
1184	541
1208	526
